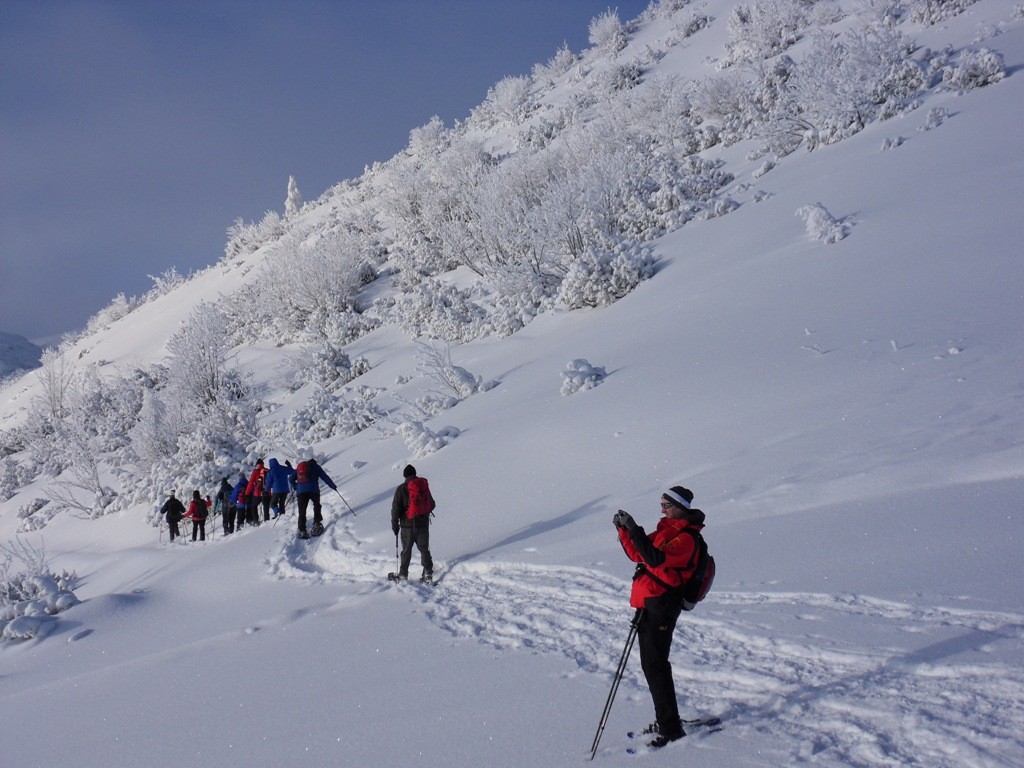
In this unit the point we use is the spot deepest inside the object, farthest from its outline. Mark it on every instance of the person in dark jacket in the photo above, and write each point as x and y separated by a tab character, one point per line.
411	508
308	474
222	500
235	515
198	511
278	483
174	510
665	560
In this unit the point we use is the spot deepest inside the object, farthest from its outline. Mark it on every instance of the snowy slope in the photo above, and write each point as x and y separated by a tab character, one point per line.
848	415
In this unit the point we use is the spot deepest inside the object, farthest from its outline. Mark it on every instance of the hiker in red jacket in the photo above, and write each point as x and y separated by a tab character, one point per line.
665	560
198	511
410	513
254	493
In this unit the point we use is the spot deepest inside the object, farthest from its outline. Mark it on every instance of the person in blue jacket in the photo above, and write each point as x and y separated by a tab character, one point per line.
308	475
236	504
278	484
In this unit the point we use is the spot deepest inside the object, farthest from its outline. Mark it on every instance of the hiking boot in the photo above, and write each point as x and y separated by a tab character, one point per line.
427	577
664	735
303	535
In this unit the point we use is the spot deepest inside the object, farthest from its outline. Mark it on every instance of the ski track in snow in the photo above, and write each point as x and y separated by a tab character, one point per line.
917	685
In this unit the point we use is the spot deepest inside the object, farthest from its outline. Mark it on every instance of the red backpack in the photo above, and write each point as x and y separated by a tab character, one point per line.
419	497
698	585
303	473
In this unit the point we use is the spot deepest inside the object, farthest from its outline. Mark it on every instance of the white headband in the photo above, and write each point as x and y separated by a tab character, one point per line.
677	499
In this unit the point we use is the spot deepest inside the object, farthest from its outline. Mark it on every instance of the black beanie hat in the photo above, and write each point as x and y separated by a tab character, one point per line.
680	496
409	471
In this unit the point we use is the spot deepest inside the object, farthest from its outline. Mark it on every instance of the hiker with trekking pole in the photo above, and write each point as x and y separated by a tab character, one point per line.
308	474
673	573
411	509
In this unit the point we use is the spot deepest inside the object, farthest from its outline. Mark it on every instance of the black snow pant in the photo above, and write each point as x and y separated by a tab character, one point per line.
303	499
228	522
266	507
252	510
199	526
416	531
277	502
173	526
655	636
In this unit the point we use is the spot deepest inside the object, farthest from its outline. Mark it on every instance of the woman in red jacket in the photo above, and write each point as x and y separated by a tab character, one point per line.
665	560
198	511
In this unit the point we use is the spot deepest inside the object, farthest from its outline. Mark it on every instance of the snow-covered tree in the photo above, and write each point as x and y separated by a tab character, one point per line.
293	200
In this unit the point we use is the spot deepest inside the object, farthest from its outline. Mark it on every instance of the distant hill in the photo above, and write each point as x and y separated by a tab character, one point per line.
17	353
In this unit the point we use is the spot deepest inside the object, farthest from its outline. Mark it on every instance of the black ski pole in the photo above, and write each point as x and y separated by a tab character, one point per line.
346	503
618	678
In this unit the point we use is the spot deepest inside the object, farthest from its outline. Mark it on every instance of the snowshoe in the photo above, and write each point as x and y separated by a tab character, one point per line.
318	529
397	577
427	578
303	535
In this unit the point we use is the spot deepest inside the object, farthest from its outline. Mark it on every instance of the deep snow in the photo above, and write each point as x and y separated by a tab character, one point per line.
848	415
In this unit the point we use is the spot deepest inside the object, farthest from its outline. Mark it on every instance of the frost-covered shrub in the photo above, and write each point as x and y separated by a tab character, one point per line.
847	81
422	441
975	69
326	415
607	33
452	383
328	367
821	225
579	375
13	475
30	593
762	30
602	276
244	238
508	101
930	12
30	517
936	117
555	67
118	308
435	310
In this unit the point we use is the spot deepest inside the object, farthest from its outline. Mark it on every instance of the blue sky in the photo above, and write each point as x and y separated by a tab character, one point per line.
132	134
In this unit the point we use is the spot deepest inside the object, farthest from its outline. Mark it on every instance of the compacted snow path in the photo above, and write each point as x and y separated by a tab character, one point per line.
838	679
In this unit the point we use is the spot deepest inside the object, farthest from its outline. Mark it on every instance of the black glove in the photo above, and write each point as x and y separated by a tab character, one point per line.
625	520
394	531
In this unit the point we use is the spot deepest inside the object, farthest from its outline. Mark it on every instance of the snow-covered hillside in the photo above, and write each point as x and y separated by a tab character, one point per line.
827	351
17	353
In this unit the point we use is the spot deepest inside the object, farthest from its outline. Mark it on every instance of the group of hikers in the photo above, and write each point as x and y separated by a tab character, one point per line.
668	561
263	495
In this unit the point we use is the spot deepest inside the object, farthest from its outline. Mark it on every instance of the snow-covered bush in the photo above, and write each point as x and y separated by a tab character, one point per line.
452	383
931	12
118	308
435	310
822	225
13	475
973	70
326	415
509	101
936	117
244	238
555	67
607	33
602	276
326	366
579	375
30	593
30	518
762	30
422	441
847	81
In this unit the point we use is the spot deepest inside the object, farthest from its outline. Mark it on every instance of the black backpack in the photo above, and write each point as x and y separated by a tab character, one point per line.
698	585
